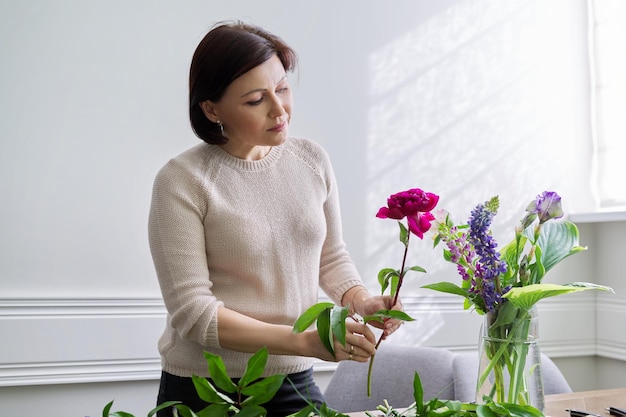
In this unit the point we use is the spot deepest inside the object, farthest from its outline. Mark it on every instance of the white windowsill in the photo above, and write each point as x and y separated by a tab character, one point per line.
616	214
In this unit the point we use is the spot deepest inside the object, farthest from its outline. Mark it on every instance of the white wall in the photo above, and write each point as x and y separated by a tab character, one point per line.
463	98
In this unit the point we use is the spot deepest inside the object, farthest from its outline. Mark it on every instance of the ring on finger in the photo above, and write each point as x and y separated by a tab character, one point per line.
351	349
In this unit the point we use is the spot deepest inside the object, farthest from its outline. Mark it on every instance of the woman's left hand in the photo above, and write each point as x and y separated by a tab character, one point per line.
382	302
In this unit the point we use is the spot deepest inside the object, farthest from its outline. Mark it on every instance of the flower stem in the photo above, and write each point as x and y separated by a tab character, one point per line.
395	300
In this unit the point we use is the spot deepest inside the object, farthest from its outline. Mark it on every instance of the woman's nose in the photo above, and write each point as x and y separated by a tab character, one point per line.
277	108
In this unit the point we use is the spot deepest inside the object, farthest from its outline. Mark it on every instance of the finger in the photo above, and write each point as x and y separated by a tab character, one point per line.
361	329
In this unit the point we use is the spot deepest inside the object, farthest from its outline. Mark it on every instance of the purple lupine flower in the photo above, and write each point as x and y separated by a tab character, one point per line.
489	267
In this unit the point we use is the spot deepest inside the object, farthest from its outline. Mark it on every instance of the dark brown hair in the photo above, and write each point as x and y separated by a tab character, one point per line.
226	52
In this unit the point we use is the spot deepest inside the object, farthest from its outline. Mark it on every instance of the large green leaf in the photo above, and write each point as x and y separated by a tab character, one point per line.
254	368
558	240
218	373
528	296
309	316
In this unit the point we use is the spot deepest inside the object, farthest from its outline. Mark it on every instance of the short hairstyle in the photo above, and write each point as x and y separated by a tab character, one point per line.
226	52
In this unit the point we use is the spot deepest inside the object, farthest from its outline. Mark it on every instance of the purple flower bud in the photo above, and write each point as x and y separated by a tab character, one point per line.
546	206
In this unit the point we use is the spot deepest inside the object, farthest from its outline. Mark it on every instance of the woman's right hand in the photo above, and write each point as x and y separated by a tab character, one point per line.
360	344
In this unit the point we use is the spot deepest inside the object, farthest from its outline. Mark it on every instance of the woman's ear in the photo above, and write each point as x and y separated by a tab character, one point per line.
208	108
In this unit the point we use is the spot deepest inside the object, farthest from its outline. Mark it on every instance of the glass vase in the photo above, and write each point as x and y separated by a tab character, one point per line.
510	362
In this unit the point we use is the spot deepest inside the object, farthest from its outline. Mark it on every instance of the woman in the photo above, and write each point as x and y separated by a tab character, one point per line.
245	227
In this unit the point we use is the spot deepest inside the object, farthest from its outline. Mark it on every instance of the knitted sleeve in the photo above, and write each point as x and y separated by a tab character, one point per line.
177	243
337	270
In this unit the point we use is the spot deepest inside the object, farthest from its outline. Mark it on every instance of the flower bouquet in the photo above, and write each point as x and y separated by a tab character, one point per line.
505	286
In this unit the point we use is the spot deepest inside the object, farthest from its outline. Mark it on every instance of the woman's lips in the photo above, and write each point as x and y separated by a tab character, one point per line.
279	127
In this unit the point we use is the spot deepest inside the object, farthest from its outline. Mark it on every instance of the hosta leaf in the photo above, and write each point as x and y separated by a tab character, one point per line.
254	368
558	240
526	297
218	373
309	316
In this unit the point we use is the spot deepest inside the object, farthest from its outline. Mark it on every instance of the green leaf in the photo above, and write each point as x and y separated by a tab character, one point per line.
404	234
324	330
414	268
121	414
262	391
184	411
557	241
254	411
517	410
528	296
255	367
384	276
215	410
338	317
304	412
218	373
162	406
309	316
418	394
538	269
107	409
448	287
381	315
485	411
208	393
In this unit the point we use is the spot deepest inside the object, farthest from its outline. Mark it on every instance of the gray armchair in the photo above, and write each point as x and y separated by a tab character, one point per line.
444	374
392	378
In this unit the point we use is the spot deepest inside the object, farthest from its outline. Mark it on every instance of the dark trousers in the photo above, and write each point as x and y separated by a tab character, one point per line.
286	401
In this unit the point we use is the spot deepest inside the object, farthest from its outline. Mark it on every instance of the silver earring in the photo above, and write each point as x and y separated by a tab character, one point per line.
221	126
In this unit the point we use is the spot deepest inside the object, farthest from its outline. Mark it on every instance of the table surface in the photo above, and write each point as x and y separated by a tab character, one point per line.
591	401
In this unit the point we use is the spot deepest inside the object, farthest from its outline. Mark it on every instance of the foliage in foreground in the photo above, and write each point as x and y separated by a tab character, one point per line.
251	391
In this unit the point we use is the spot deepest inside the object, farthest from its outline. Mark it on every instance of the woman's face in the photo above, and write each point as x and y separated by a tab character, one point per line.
255	110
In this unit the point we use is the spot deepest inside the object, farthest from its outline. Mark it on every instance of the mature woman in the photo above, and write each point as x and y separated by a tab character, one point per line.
246	226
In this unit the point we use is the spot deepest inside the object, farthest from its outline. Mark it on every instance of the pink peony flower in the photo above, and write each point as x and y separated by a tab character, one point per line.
415	205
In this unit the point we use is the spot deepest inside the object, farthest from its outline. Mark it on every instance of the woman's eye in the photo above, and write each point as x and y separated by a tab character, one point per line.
282	90
255	102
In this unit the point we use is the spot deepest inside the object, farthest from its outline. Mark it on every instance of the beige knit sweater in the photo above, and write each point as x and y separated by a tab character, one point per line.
259	237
